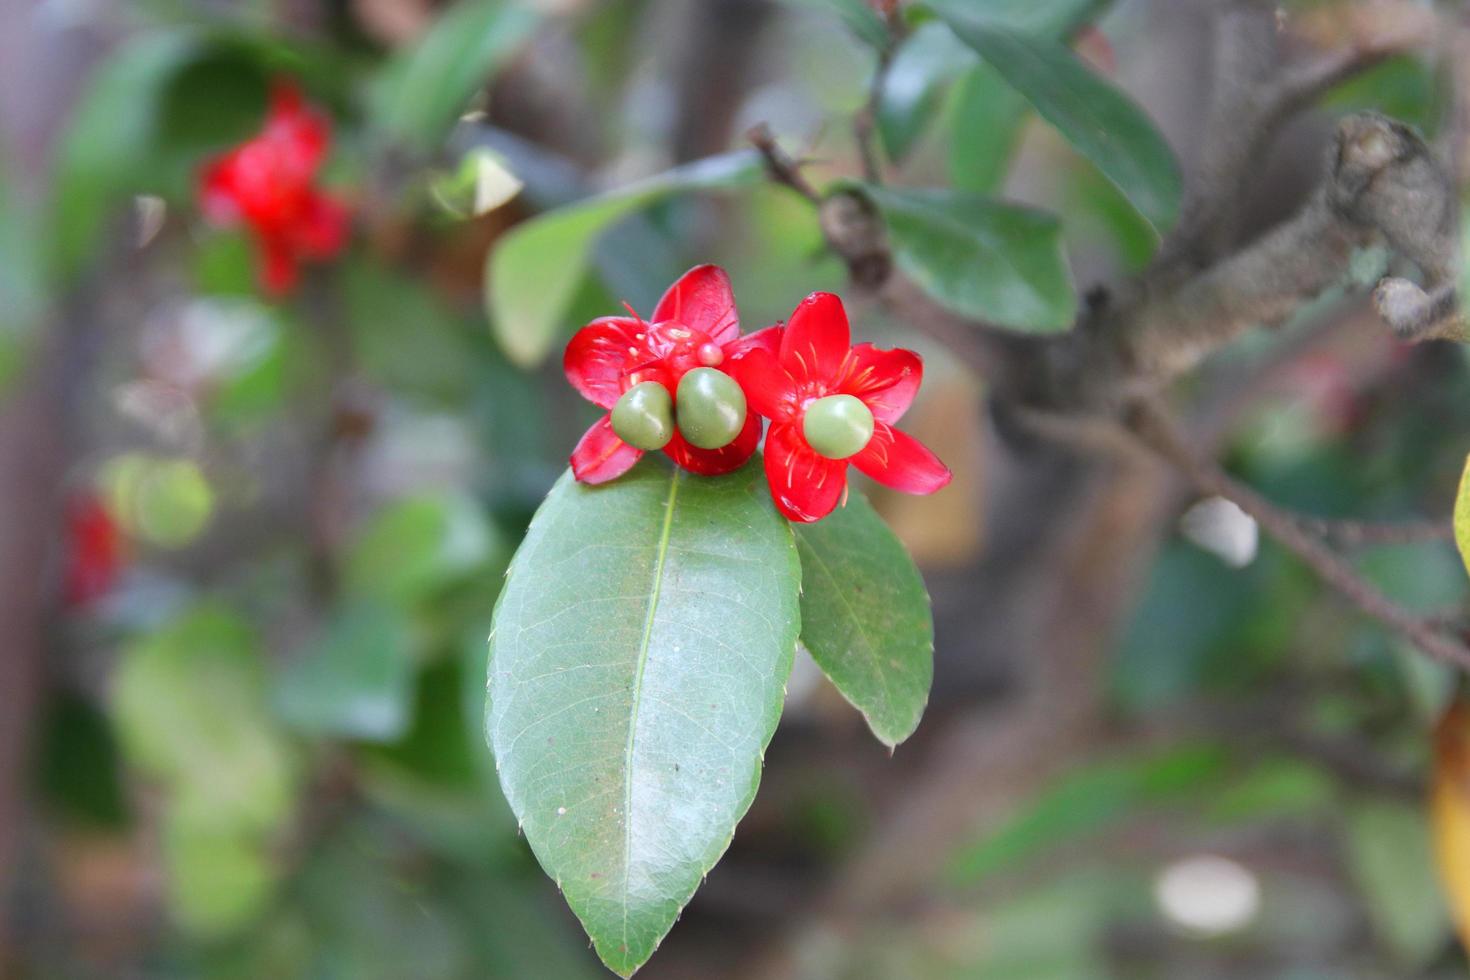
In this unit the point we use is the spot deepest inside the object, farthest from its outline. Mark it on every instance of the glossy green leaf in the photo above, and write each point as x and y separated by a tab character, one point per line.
1392	859
929	59
1043	18
1462	516
425	89
533	273
356	680
981	258
985	127
1101	122
865	617
638	665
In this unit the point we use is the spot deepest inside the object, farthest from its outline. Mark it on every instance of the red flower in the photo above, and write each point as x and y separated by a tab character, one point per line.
95	551
267	183
813	363
694	325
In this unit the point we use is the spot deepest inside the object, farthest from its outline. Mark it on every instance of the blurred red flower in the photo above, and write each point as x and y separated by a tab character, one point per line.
815	362
695	324
96	551
268	184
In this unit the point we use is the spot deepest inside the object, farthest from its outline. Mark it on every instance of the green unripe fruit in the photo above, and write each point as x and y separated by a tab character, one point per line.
644	416
837	426
711	408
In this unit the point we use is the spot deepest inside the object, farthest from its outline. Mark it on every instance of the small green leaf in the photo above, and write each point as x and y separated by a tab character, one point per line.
191	711
1043	18
1462	516
417	546
638	665
355	681
425	89
928	60
533	273
1087	800
1392	859
865	617
219	880
980	258
986	125
1102	123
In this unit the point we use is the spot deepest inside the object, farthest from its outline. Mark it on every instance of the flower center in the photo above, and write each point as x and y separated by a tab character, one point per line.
837	426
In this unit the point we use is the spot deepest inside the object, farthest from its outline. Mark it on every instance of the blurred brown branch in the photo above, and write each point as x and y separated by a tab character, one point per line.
1156	430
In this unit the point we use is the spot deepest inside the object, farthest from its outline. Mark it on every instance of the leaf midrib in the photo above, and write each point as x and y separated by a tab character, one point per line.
655	592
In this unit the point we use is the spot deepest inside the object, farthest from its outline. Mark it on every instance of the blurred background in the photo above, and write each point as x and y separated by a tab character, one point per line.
251	538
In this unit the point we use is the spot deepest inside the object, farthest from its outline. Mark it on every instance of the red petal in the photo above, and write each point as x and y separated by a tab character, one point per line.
322	228
702	300
767	339
600	354
301	133
279	271
898	460
217	193
816	339
769	390
713	462
601	456
885	380
806	487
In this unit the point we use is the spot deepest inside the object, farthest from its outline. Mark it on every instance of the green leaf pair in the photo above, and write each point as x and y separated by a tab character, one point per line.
638	666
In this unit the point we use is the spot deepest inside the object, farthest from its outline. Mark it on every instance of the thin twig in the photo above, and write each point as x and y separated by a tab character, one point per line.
780	166
1360	534
1155	429
866	118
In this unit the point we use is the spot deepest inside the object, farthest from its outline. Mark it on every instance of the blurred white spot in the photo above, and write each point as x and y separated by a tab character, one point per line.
413	451
494	183
804	682
481	183
561	811
165	410
202	340
1208	896
1223	529
150	212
